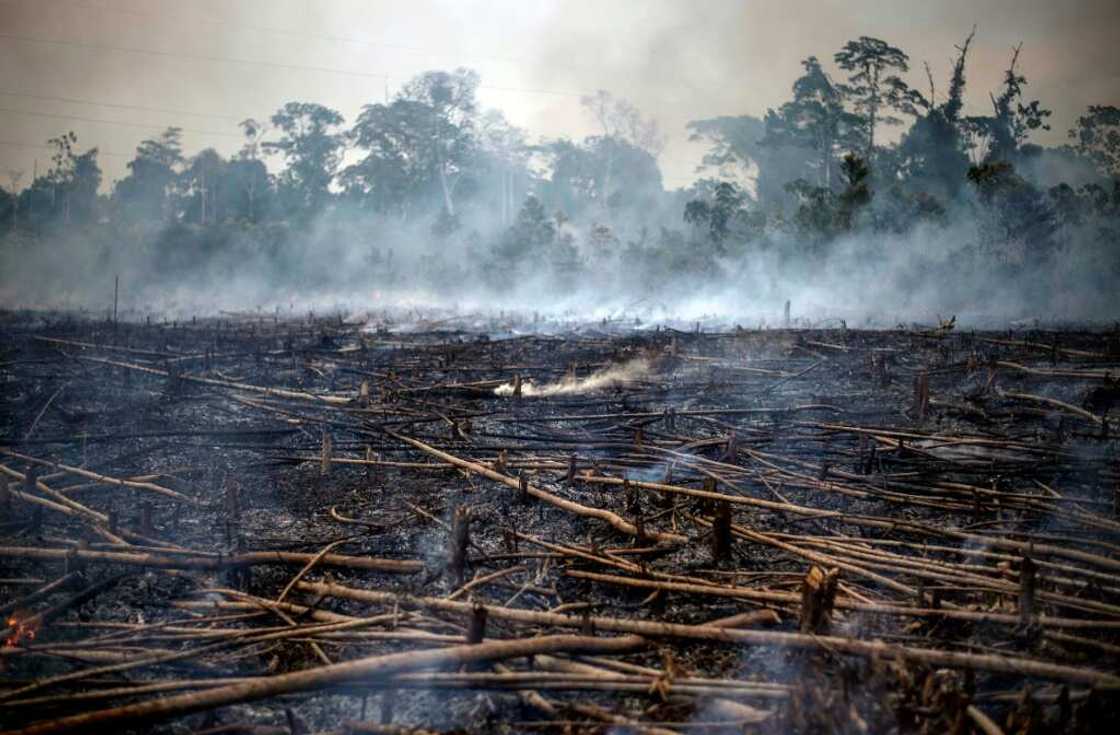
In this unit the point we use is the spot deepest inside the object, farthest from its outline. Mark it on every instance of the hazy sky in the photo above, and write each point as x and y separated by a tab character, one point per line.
116	71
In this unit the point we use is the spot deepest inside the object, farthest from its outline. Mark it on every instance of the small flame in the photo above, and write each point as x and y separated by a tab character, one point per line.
569	385
23	626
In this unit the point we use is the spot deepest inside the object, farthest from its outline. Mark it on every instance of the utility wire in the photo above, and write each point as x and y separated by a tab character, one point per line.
120	106
145	126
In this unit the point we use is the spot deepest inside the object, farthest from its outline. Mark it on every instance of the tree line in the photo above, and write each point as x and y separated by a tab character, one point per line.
817	169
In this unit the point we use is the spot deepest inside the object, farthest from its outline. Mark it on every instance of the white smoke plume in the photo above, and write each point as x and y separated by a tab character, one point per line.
570	385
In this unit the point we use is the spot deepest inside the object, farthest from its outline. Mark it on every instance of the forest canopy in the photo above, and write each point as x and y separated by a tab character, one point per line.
869	175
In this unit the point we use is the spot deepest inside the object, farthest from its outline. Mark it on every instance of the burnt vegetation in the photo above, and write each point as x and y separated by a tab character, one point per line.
400	524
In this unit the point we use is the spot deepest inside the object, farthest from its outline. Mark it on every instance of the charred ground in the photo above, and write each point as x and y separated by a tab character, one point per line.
915	530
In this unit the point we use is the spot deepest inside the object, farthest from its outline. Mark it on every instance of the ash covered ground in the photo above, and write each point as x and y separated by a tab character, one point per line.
239	524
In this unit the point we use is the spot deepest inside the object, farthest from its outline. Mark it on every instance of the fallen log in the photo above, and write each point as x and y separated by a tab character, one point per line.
611	518
191	560
837	644
115	718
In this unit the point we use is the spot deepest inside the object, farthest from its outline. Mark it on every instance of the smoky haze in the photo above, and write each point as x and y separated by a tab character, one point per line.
538	198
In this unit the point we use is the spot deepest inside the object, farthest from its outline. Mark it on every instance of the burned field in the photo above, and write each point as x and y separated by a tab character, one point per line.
319	525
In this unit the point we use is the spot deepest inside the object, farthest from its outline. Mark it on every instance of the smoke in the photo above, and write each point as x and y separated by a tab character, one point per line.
354	263
570	385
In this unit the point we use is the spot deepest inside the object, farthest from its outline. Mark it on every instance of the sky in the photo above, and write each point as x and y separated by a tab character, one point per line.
118	71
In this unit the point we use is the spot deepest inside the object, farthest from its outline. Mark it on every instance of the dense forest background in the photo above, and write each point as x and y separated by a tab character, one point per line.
868	195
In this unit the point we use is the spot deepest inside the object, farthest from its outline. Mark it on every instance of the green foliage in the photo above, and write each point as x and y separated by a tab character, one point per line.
1018	221
720	212
874	85
312	149
933	154
145	194
1097	137
419	147
1013	119
815	120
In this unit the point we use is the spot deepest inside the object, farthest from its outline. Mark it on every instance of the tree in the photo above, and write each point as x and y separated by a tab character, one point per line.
248	177
604	173
623	129
532	232
451	98
12	192
815	120
1097	137
507	153
874	88
203	182
934	152
720	211
1012	120
857	190
422	144
145	193
312	150
1018	222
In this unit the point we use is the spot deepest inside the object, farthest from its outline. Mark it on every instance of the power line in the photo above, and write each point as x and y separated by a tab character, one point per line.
225	23
146	126
78	101
254	62
39	146
192	57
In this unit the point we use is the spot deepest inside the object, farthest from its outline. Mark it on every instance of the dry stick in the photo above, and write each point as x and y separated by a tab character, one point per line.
75	506
1067	407
1076	374
479	581
308	567
983	662
41	617
42	411
278	392
946	571
105	479
613	519
579	553
334	622
510	680
201	561
533	699
820	558
983	723
871	521
38	594
325	676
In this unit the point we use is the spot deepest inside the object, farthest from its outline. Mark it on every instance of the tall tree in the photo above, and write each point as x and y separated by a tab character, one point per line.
934	152
248	178
450	96
204	184
73	180
507	153
1013	119
153	174
623	128
604	174
815	120
312	148
422	144
874	86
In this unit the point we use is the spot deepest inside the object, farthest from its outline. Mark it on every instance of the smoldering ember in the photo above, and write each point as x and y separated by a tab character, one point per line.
643	366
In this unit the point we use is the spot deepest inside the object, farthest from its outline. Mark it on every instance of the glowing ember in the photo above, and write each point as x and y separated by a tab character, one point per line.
23	627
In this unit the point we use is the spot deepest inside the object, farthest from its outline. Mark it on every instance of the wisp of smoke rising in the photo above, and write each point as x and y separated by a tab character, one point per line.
570	385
